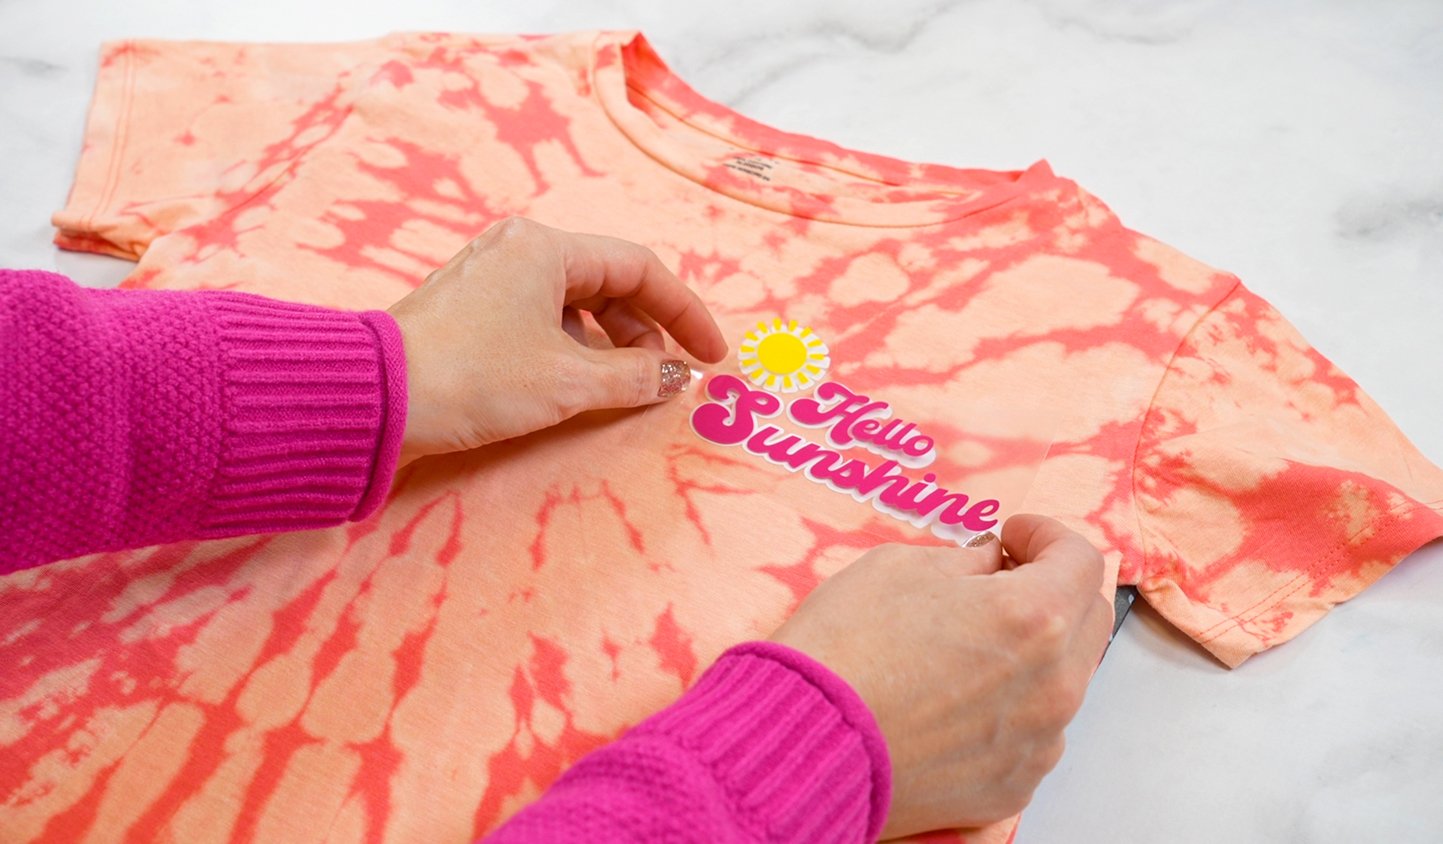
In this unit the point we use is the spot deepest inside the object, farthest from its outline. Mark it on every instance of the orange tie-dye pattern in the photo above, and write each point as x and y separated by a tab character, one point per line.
424	674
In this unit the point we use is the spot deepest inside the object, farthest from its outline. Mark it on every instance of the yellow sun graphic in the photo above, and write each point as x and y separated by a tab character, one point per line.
783	357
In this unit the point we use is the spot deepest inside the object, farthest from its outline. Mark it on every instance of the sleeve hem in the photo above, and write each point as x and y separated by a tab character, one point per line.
98	171
1231	637
1244	599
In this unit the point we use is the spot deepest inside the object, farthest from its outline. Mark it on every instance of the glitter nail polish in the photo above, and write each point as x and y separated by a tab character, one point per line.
675	378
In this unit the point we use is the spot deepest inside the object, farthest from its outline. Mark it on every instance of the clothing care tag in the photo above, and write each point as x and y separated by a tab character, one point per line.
756	166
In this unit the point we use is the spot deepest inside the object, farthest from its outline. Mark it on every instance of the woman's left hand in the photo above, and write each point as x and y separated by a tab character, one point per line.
495	347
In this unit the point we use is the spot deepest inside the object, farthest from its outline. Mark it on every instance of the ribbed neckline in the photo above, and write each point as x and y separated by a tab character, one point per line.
785	172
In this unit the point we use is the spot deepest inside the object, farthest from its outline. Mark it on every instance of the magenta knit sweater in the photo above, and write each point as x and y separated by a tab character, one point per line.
132	418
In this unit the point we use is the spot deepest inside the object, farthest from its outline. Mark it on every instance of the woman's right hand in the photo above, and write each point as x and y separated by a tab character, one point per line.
971	668
495	347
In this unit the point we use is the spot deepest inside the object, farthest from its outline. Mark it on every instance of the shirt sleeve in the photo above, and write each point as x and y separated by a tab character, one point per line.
1269	486
138	417
179	132
769	745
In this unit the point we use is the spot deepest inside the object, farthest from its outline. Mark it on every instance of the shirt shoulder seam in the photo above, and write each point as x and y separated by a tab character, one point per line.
1142	542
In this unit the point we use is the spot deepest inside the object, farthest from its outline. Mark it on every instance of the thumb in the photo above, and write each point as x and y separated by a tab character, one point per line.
633	377
982	554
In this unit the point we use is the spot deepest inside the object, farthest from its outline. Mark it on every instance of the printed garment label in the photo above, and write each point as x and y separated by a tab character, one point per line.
778	358
756	166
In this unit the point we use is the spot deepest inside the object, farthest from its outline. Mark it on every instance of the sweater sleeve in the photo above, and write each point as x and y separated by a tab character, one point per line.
768	746
134	418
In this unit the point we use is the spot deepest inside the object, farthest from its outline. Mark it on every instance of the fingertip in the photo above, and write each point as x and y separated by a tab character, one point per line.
711	351
1030	537
676	378
707	343
720	350
983	554
1019	530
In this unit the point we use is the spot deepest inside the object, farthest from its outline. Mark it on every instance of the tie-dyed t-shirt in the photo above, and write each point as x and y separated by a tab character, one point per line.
920	352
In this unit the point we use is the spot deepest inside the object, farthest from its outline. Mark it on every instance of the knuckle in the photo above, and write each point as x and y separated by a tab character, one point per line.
512	228
1053	630
1064	700
1015	617
1015	800
1049	713
1031	617
640	390
571	386
1067	701
1050	754
1086	552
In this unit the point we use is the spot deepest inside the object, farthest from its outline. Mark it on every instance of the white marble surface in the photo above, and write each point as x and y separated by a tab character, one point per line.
1297	144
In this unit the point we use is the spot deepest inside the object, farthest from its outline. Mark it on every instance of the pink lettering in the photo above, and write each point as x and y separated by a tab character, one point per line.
879	475
790	451
979	515
846	476
889	436
896	437
919	445
854	417
849	409
973	518
725	423
907	499
732	414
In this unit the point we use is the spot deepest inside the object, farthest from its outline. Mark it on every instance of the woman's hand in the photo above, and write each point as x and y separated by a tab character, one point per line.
495	348
972	671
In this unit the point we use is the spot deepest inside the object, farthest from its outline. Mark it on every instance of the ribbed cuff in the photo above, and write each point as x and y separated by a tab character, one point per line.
795	749
393	413
314	407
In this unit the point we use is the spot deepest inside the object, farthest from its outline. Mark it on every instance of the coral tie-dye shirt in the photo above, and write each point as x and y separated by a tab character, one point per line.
921	351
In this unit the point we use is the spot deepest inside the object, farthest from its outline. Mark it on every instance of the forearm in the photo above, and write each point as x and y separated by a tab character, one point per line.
138	417
768	746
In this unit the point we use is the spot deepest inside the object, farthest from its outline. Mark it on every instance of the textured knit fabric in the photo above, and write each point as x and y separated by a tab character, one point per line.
1047	358
139	417
769	746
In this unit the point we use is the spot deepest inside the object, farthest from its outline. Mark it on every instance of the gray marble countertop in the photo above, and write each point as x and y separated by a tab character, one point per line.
1299	145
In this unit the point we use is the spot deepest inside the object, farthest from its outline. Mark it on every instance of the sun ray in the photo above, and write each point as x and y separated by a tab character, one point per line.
784	356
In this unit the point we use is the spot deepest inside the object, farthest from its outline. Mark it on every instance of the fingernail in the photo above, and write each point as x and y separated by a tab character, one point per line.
675	378
980	540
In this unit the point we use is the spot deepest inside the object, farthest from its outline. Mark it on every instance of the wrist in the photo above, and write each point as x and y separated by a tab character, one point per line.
791	743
